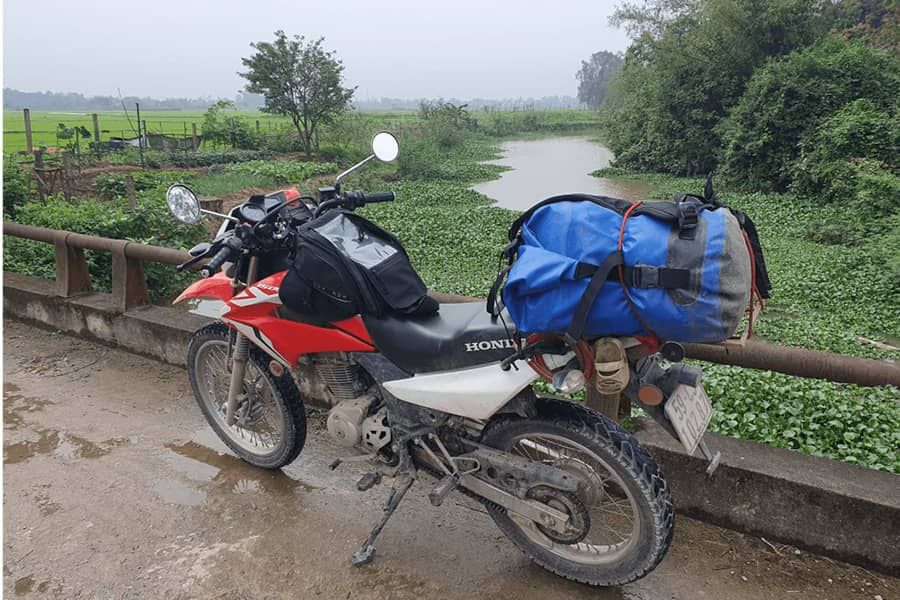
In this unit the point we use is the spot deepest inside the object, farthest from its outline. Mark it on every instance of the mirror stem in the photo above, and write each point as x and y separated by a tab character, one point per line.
339	178
220	215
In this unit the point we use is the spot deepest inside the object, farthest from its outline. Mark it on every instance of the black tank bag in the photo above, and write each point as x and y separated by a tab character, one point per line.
345	265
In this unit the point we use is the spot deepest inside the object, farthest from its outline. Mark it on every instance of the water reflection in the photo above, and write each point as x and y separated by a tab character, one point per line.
552	166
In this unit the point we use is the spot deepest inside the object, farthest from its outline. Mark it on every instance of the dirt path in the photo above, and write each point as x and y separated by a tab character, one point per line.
115	488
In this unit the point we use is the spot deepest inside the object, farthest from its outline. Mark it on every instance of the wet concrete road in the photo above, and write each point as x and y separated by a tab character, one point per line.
115	488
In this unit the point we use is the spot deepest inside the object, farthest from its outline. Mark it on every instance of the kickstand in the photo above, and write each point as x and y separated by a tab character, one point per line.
366	552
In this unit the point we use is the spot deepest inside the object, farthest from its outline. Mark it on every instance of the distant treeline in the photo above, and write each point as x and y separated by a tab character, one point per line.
544	102
17	100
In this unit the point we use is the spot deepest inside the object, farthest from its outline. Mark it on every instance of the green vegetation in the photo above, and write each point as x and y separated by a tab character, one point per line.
149	223
787	102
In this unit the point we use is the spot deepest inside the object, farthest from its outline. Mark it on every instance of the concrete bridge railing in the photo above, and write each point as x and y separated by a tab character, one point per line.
129	289
129	286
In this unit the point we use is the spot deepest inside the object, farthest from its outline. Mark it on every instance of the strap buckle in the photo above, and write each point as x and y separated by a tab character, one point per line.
645	276
688	218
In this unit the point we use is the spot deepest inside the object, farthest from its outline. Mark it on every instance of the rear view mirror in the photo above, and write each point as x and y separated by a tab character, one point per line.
385	146
183	203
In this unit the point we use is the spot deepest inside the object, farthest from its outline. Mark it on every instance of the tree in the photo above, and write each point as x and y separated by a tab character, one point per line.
595	75
299	79
649	18
662	110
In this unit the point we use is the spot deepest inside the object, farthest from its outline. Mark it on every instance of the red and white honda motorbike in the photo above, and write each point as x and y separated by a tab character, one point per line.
449	394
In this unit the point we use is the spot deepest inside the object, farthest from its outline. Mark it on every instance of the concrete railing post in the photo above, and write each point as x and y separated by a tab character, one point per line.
129	286
72	275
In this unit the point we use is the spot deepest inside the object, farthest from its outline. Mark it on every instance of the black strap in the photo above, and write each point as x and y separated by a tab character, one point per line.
579	320
493	306
643	276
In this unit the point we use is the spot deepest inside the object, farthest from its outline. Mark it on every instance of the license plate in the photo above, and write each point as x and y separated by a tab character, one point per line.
689	411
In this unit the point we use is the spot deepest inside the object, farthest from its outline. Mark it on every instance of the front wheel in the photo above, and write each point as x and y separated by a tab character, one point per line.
621	514
270	426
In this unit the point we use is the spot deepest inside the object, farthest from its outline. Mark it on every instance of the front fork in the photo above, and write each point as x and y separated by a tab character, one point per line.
241	352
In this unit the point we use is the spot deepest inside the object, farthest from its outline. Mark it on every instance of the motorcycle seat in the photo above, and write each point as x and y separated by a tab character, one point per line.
457	336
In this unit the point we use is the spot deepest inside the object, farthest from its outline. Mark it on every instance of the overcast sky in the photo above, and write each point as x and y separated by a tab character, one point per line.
395	48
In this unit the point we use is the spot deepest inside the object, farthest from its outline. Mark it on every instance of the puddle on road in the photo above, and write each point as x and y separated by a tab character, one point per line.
215	475
16	406
25	585
172	491
60	444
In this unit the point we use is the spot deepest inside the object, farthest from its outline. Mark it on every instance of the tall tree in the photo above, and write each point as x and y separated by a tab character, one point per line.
595	75
299	79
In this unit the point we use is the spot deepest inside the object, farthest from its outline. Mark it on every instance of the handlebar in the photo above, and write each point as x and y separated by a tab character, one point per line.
354	200
379	197
232	246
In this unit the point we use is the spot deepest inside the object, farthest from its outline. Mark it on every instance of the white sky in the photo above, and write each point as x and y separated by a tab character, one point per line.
396	48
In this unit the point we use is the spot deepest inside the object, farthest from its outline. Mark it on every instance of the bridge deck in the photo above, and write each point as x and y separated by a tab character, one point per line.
115	488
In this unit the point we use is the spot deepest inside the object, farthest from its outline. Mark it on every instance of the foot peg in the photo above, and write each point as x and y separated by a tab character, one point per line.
446	485
368	481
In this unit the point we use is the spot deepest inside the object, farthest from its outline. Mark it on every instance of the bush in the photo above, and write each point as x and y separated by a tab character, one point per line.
221	125
787	100
155	159
16	187
187	159
149	223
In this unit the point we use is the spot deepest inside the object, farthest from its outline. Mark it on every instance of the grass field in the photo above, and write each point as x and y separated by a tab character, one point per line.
178	123
117	124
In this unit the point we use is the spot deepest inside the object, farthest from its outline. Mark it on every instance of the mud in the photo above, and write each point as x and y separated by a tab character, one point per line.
115	488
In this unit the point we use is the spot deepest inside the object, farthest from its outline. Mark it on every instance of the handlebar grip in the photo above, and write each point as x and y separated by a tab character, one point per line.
216	262
380	197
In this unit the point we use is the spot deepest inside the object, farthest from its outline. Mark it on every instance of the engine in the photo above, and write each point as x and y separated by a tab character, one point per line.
354	419
350	424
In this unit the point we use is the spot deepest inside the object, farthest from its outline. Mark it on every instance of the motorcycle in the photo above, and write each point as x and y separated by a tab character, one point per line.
452	395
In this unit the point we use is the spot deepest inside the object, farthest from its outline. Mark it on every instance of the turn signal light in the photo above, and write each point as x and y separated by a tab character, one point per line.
650	395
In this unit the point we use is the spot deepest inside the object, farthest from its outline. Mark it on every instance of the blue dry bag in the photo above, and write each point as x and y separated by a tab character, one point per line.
588	266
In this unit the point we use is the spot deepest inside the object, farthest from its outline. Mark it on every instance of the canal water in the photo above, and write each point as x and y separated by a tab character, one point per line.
552	166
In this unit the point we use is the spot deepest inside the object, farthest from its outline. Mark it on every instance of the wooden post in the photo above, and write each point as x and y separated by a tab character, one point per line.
257	126
28	142
145	134
38	167
194	142
129	187
137	107
67	165
96	130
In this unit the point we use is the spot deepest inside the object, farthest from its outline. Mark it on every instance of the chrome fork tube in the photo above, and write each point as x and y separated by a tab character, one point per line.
241	355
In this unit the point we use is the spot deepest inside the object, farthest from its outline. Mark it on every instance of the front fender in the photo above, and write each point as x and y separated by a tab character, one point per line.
217	287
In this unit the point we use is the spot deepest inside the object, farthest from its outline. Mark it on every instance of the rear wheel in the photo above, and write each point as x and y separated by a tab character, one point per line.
270	429
621	516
